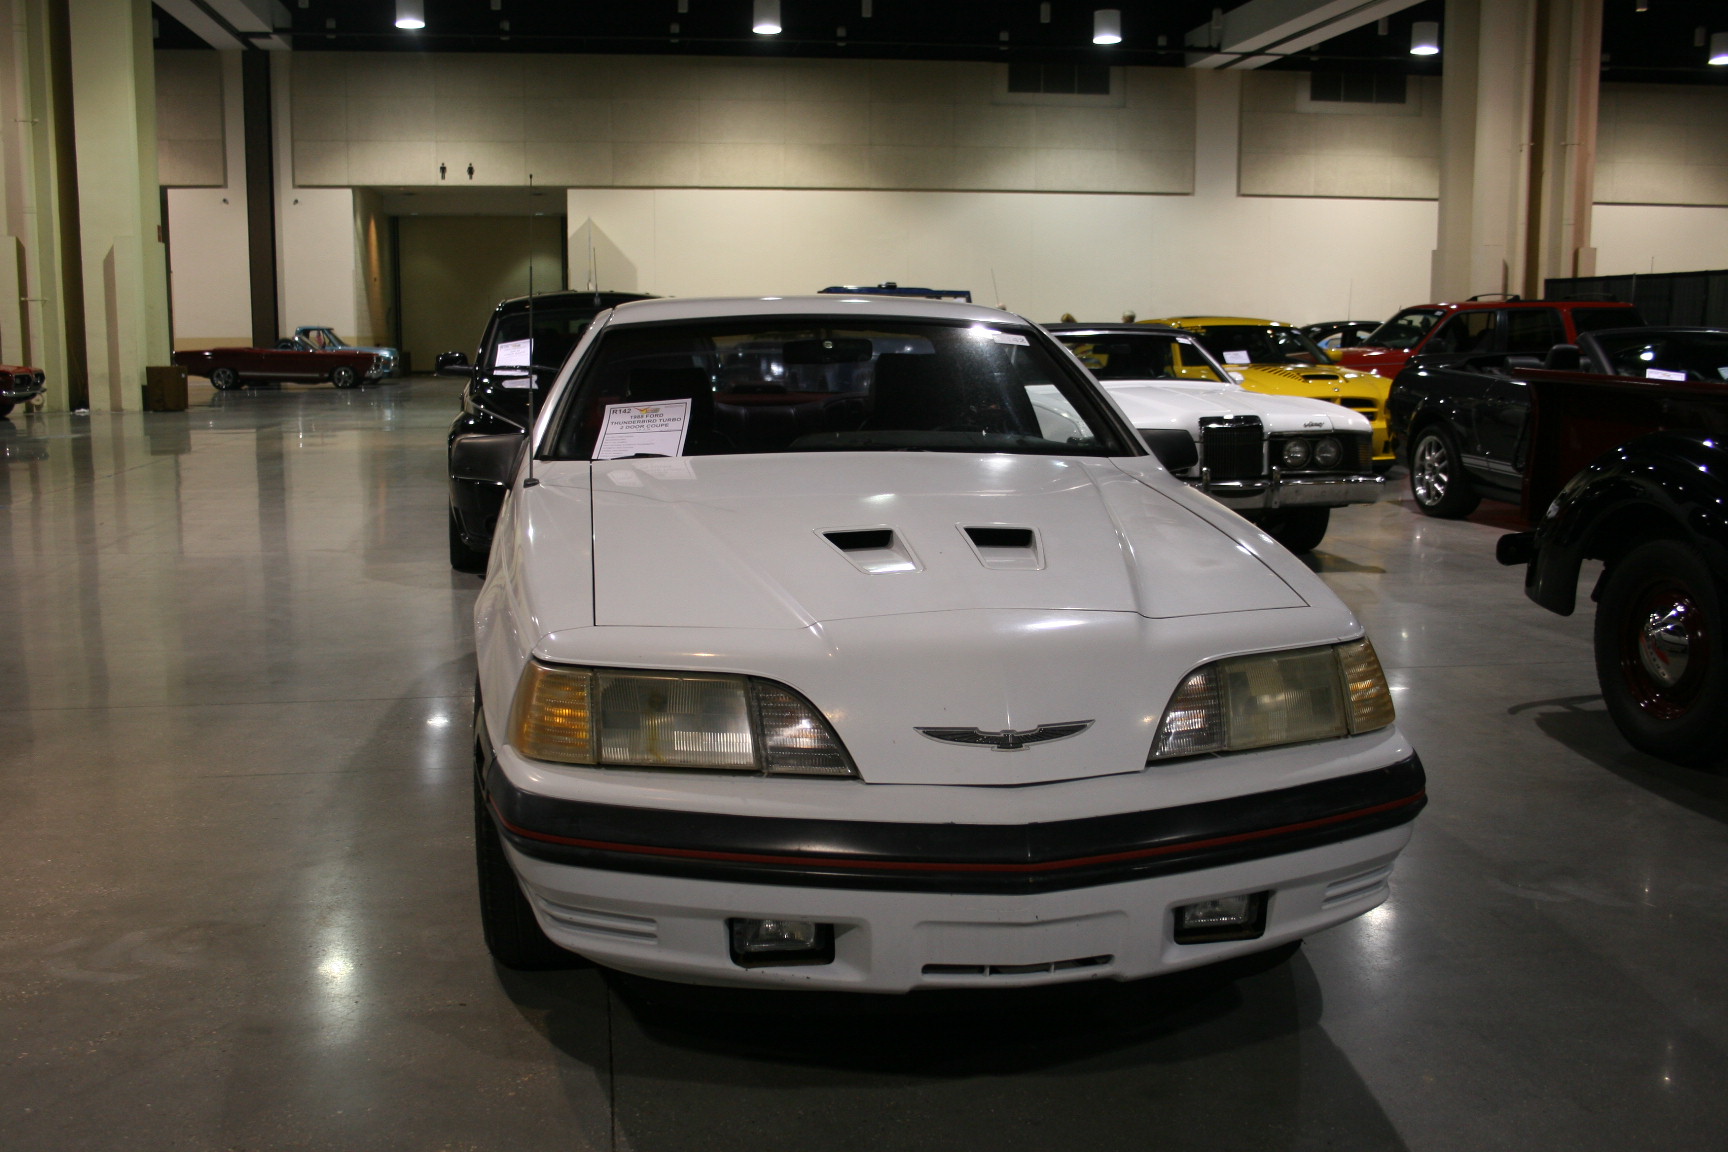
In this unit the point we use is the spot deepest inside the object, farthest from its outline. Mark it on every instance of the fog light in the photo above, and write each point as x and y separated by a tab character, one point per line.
764	943
1226	918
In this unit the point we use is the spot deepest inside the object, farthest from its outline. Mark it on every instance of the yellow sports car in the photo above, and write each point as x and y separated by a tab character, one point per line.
1278	358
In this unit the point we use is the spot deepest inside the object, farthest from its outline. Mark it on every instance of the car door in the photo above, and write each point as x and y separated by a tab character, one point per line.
1503	411
1462	386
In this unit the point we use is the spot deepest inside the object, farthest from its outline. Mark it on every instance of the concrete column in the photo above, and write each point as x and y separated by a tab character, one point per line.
1517	143
1562	181
32	297
119	201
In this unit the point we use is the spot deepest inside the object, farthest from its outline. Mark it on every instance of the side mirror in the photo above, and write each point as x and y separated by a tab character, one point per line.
1336	355
489	458
452	364
1563	358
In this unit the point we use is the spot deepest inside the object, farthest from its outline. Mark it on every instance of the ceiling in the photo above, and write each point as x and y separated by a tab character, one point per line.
1656	45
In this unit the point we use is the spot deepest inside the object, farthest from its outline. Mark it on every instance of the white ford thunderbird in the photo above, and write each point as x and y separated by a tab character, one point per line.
861	644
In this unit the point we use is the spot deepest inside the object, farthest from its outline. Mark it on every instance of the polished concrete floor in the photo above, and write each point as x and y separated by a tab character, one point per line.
238	910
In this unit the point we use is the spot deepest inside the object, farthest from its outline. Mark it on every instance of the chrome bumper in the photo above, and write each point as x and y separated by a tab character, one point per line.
25	392
1295	492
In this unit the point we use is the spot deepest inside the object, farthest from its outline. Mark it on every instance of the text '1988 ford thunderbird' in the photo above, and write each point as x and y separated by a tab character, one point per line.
861	644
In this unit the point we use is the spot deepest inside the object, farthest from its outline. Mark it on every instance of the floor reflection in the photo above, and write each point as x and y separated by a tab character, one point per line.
1230	1058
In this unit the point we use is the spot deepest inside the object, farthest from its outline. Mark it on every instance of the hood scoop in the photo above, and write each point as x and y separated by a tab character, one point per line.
877	551
1009	549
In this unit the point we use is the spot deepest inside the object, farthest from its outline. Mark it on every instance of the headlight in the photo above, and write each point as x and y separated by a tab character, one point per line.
1295	453
1275	698
618	718
1327	453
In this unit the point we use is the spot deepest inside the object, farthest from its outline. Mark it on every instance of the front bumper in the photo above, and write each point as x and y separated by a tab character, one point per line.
18	391
1295	492
952	905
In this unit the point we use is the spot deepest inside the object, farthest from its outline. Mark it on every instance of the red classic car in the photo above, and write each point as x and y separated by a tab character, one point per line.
1477	327
19	385
293	360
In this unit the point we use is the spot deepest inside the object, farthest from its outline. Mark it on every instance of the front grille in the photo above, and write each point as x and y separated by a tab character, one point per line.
1233	447
1017	969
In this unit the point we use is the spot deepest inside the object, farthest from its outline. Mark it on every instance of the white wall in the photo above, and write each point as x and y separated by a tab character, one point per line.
1093	256
1659	238
211	274
319	267
470	120
1662	144
1297	259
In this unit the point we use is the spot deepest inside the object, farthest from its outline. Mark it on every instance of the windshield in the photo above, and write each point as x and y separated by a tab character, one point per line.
1405	330
1140	356
1260	344
1667	355
787	384
556	331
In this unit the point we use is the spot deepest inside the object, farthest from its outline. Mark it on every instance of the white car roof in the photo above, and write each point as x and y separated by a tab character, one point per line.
834	304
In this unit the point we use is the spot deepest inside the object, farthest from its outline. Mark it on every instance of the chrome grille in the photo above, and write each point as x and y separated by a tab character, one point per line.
1233	447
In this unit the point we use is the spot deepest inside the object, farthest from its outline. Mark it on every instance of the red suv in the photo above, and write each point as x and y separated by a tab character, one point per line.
1479	327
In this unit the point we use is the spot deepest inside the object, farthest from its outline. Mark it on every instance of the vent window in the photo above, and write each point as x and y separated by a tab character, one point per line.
1358	88
1060	79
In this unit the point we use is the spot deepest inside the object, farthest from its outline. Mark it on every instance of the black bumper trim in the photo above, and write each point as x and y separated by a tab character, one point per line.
957	858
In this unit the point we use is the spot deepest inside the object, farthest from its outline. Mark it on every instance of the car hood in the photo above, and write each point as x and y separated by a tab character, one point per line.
1181	404
1318	380
1371	358
742	541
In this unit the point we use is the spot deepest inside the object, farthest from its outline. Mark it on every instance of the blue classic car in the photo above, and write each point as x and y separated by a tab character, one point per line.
321	338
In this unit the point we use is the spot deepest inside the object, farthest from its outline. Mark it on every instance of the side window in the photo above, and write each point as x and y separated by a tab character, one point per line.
1465	333
1533	329
1596	319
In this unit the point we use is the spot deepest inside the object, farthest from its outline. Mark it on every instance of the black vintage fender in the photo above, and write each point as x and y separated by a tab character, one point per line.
1665	485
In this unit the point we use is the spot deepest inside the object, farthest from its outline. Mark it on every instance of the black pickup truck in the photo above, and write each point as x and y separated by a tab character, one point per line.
1634	473
1461	422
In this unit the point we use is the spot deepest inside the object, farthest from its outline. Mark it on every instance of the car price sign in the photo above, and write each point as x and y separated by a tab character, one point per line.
643	430
517	355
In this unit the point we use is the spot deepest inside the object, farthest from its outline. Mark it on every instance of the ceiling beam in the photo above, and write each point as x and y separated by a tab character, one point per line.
1262	31
232	24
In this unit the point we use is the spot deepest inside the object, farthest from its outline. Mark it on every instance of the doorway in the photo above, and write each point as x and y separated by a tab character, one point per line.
455	269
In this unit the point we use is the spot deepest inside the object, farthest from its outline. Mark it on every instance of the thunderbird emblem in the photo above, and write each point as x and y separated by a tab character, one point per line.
1008	740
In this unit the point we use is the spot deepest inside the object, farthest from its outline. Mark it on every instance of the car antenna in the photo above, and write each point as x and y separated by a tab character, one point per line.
529	481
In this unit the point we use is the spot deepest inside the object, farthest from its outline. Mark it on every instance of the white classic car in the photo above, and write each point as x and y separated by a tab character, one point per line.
1284	462
323	338
860	644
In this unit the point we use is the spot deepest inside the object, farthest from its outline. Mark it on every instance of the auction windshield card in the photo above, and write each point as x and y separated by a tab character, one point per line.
643	430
